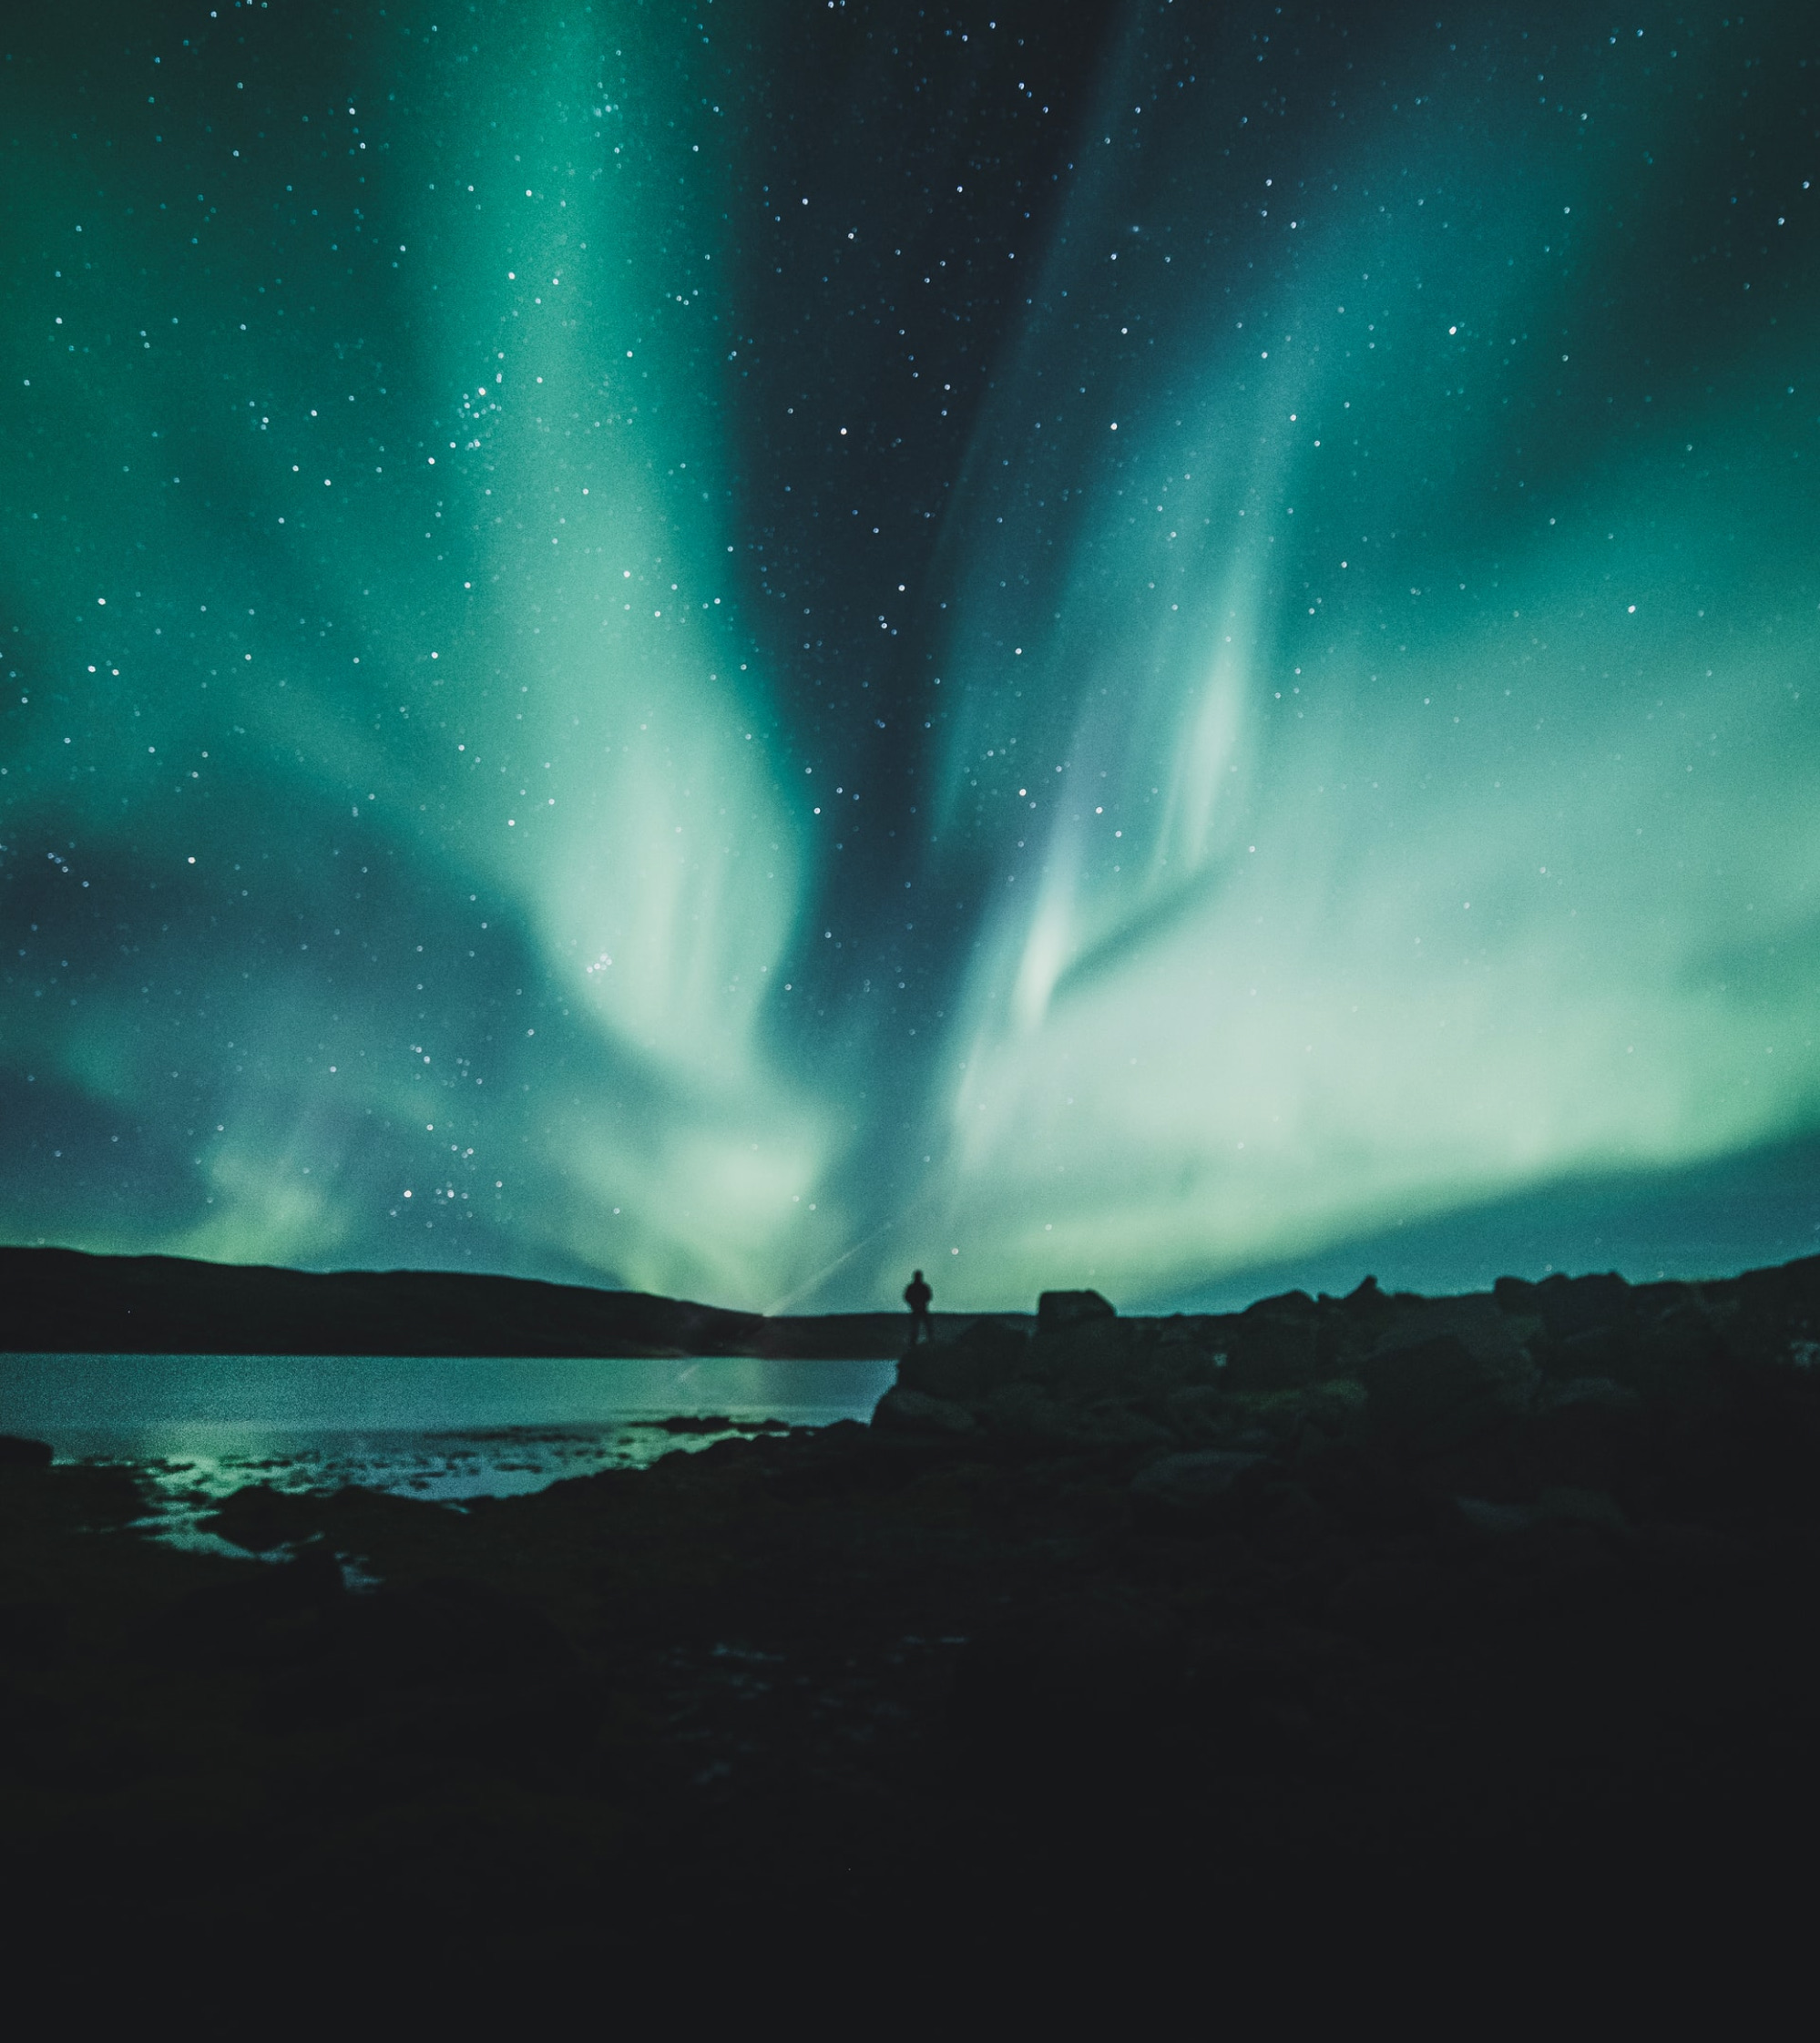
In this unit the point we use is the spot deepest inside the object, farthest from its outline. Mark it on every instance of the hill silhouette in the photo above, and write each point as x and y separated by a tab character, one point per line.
65	1302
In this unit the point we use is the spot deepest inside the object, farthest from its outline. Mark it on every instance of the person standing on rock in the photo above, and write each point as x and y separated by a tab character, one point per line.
917	1296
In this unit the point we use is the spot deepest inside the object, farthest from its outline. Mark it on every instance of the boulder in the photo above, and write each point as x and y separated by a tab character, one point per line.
968	1368
1437	1381
260	1517
1111	1423
1199	1414
1204	1488
1027	1412
909	1411
1411	1385
1589	1433
1097	1357
1571	1305
1272	1344
16	1451
1058	1309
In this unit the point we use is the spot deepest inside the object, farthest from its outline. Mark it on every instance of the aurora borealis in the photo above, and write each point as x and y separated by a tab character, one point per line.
725	648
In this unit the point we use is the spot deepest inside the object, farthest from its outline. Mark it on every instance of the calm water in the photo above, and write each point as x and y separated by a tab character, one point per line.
442	1427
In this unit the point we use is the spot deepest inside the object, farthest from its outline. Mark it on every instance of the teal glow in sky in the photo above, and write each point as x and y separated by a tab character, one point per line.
724	661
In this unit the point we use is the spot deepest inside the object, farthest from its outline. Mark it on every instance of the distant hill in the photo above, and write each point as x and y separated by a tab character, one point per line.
61	1301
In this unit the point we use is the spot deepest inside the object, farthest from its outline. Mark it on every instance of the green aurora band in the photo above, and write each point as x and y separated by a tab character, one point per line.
1370	774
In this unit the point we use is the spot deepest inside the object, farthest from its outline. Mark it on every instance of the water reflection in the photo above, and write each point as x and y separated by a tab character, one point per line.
444	1428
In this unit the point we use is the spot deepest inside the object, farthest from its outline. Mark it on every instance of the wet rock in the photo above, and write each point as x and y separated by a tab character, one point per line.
259	1517
910	1411
275	1613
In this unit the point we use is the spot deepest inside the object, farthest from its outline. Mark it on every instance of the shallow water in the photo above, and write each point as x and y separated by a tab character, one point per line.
445	1428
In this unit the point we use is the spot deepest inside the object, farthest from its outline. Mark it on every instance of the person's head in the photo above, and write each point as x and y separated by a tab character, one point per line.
915	1276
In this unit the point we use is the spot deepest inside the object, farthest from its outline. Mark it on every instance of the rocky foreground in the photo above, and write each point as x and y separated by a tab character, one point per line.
1484	1621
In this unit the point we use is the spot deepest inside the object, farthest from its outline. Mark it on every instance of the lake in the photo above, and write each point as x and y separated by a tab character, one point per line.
439	1427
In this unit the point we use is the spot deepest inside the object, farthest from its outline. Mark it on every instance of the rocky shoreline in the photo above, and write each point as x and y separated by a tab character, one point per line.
1471	1611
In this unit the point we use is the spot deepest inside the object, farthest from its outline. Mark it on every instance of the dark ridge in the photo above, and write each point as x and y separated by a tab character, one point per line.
65	1302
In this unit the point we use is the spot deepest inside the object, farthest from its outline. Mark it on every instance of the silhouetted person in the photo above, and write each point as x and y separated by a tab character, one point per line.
916	1296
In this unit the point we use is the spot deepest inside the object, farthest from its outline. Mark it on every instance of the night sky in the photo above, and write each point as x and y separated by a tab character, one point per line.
728	648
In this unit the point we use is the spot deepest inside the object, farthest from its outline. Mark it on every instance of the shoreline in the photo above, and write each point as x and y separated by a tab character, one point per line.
1384	1621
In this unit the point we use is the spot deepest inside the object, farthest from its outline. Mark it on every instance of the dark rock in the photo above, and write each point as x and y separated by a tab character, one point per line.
16	1451
1092	1358
1275	1350
1571	1305
1369	1490
910	1411
447	1672
1111	1423
1287	1304
1439	1390
1213	1487
1059	1308
1199	1414
451	1629
1588	1435
1514	1294
1410	1387
972	1368
274	1613
1028	1413
260	1517
1095	1662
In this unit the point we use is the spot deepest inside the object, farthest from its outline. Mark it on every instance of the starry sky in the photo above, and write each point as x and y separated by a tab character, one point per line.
726	647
